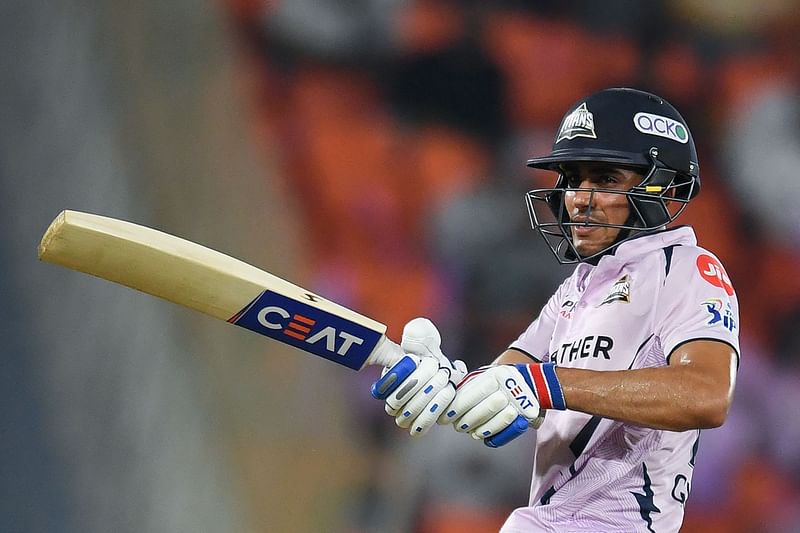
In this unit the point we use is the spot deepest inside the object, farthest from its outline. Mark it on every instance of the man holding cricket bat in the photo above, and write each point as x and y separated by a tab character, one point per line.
634	354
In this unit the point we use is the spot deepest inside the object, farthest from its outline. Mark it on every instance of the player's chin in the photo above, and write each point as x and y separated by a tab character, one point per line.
583	251
587	247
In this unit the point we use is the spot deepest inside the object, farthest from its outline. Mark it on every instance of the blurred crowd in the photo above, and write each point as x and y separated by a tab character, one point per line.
400	129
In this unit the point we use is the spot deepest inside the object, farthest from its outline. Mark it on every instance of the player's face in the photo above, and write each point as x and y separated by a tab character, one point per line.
586	203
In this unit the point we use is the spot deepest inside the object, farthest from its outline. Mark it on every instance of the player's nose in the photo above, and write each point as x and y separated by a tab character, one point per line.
583	196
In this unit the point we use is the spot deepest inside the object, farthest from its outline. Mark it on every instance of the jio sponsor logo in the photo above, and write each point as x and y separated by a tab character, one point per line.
661	126
712	271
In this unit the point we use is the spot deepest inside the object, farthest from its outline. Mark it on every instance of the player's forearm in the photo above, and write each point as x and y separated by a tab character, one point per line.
695	391
675	398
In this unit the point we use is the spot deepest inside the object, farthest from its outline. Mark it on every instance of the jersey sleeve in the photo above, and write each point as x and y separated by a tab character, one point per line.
698	302
535	340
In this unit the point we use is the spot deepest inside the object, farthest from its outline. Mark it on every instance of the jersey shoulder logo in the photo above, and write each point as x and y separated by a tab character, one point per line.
567	309
579	123
721	314
714	273
620	292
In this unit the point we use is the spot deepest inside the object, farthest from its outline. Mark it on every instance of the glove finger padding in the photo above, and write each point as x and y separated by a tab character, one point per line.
497	423
471	391
427	368
419	401
428	416
482	412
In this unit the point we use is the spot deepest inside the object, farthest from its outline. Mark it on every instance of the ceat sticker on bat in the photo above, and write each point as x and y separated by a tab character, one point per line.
712	271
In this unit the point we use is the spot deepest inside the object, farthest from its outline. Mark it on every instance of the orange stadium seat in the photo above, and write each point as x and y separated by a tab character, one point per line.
545	62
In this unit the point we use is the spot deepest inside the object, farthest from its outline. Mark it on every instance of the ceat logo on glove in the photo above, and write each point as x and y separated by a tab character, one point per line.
712	271
518	393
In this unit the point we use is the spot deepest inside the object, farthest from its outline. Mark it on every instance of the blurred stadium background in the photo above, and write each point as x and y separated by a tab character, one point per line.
374	151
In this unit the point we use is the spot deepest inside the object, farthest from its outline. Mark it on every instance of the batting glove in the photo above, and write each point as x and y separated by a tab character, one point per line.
499	403
422	384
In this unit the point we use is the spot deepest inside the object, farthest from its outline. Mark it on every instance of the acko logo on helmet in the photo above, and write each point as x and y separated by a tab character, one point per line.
661	126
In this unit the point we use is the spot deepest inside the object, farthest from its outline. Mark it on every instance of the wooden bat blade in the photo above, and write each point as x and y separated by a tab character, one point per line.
213	283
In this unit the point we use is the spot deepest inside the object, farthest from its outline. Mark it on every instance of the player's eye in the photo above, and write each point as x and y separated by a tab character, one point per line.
608	180
573	181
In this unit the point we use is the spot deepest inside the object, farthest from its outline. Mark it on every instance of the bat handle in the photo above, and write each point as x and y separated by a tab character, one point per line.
387	353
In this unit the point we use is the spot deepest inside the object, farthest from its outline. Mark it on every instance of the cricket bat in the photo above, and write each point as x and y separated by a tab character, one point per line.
216	284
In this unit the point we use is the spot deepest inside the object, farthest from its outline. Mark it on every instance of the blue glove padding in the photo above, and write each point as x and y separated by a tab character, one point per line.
392	379
511	432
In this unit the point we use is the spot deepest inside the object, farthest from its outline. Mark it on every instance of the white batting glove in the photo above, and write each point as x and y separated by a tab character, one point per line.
495	404
422	384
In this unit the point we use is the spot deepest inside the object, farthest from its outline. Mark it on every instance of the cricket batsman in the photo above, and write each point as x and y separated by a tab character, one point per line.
635	353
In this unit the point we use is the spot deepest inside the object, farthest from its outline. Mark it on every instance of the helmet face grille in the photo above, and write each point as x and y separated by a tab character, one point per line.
657	201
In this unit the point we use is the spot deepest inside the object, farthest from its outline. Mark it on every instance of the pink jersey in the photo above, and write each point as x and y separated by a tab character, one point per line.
630	311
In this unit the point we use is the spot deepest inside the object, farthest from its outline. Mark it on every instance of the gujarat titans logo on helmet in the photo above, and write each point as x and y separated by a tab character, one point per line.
579	123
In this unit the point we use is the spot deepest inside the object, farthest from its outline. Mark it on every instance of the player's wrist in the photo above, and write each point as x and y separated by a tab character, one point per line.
543	380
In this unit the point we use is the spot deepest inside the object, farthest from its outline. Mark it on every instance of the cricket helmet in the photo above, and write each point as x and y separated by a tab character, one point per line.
626	127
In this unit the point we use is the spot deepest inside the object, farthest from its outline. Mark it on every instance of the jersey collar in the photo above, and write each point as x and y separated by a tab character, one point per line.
643	244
